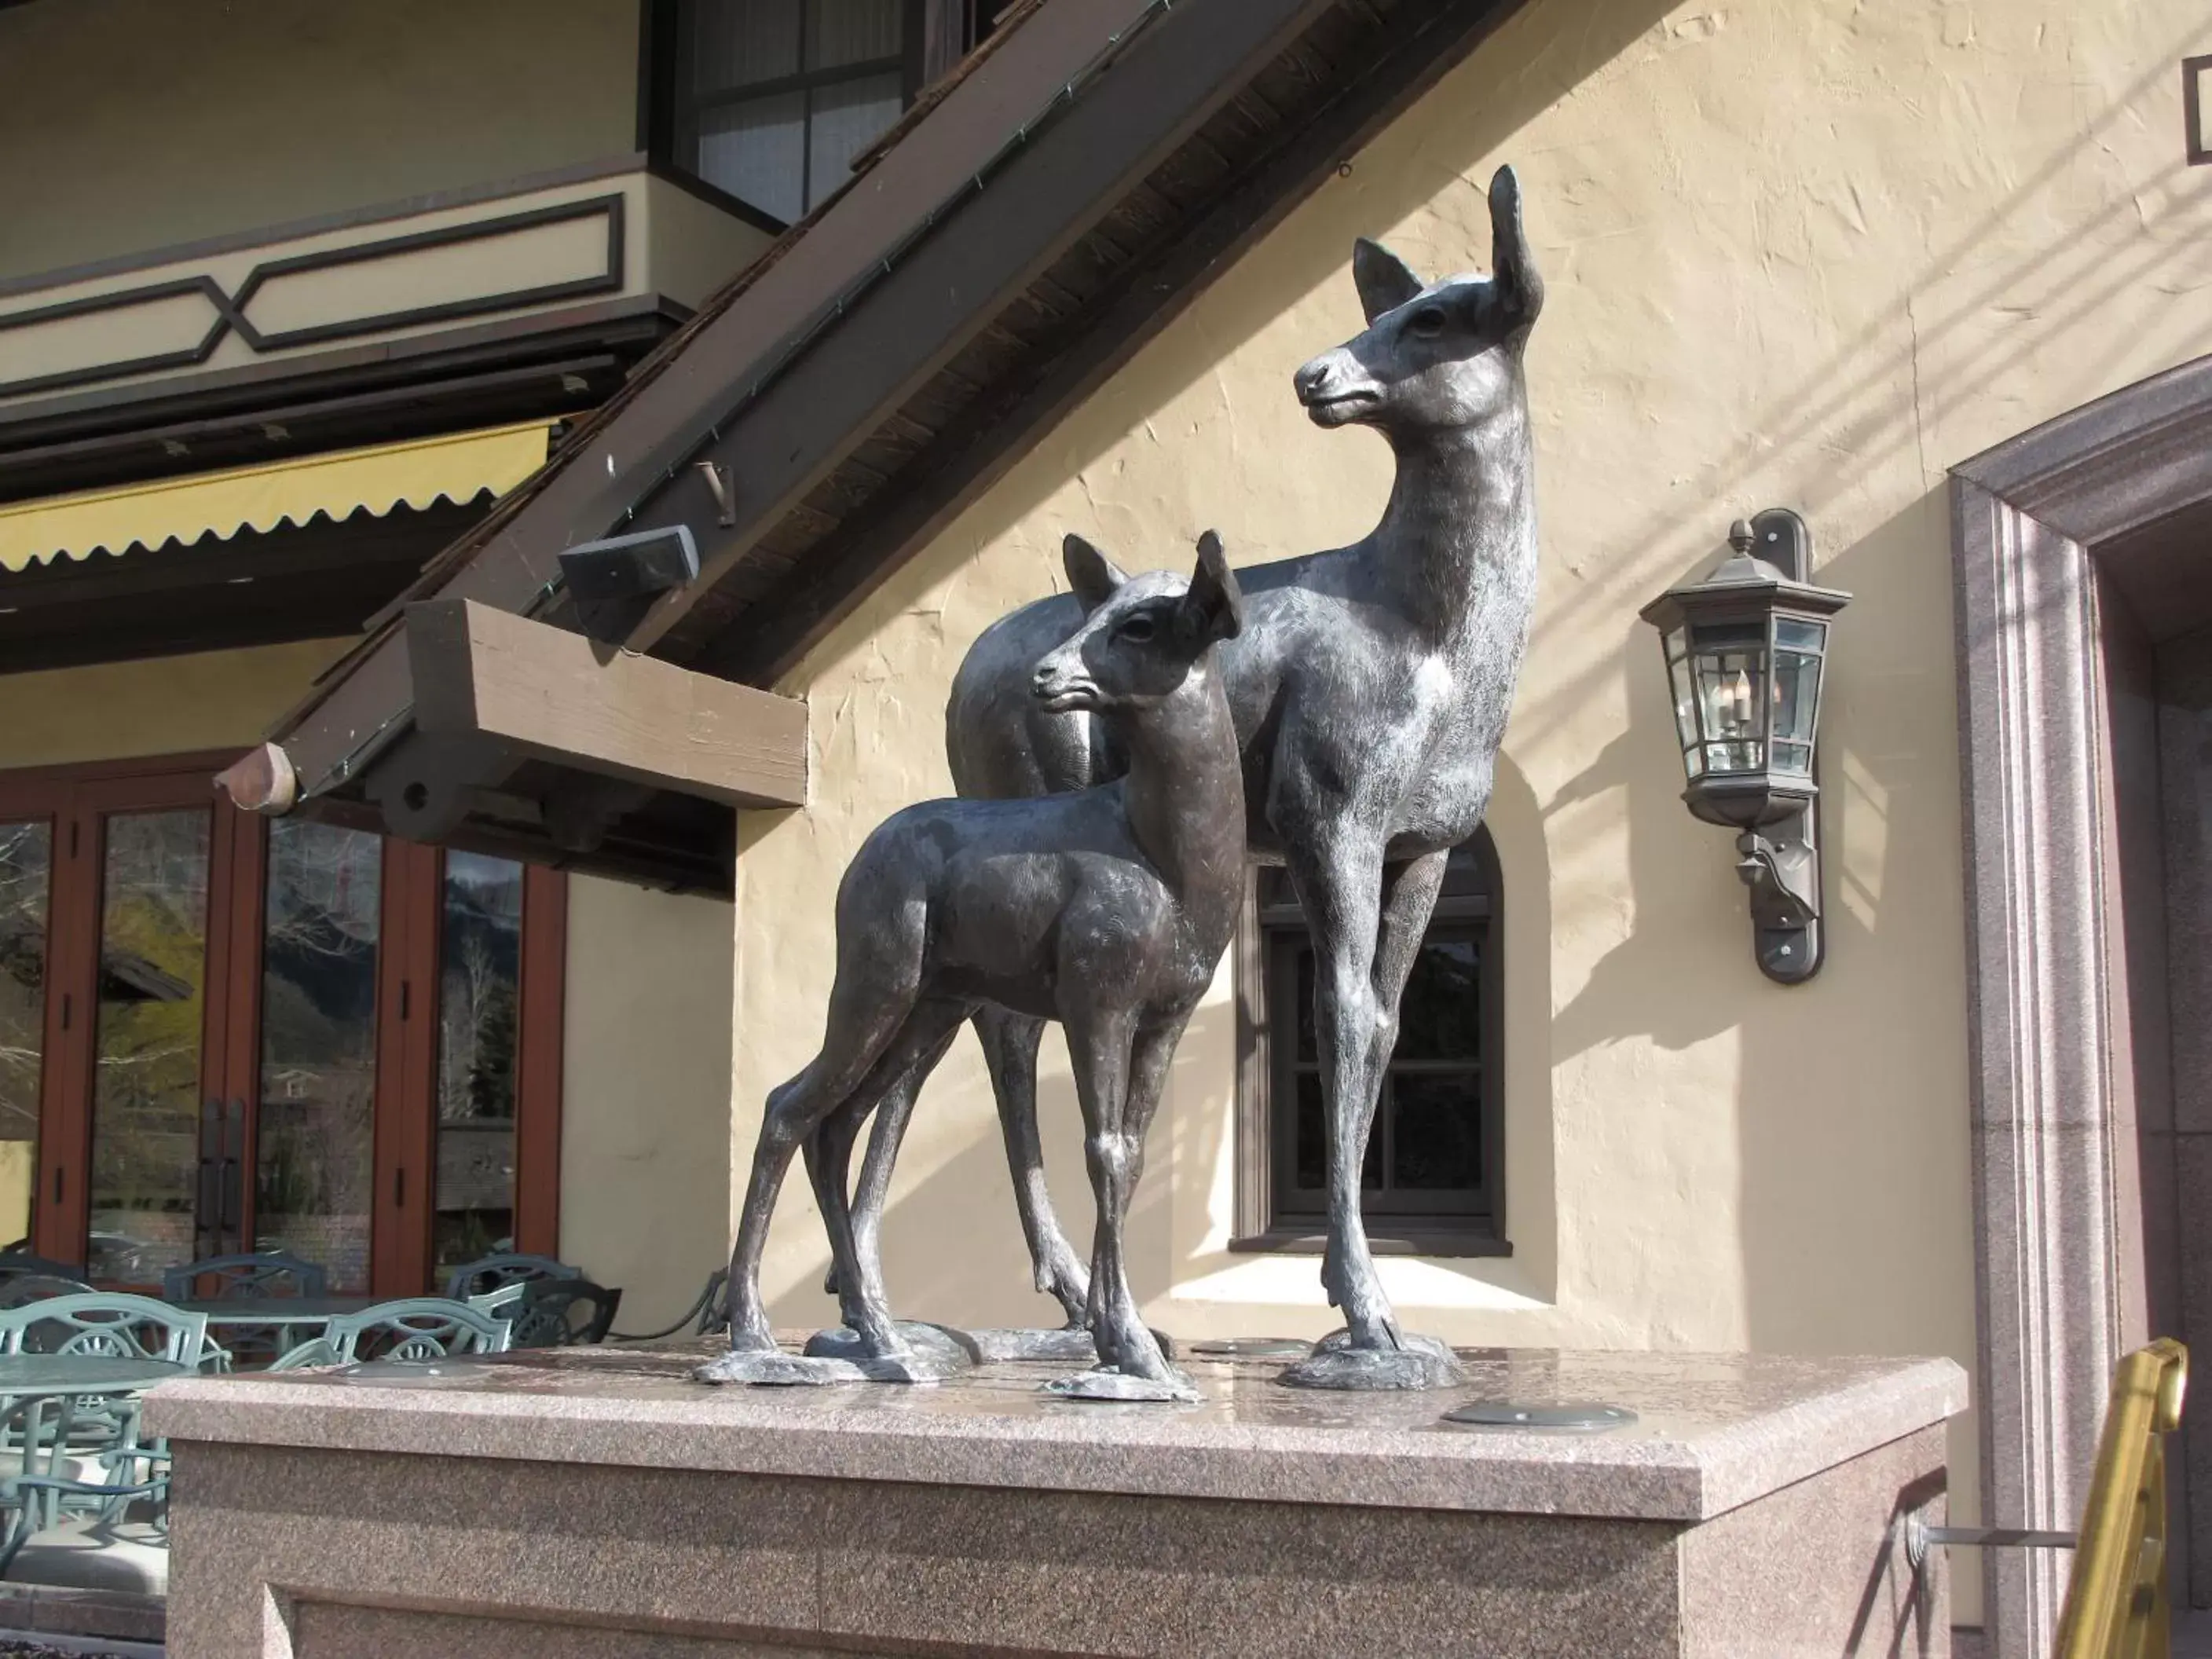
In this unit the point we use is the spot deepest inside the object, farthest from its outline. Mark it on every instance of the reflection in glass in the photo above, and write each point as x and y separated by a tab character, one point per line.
145	1110
24	850
319	1046
480	978
1437	1117
781	95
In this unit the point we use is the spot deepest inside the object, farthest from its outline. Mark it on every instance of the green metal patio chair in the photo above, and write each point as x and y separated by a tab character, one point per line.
493	1273
553	1313
422	1327
111	1323
132	1486
267	1272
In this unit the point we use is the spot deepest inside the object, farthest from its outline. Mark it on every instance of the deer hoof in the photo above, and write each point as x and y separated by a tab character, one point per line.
930	1344
1417	1362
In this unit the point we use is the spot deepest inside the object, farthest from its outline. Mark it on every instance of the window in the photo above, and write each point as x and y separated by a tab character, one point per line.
219	1034
1431	1179
771	101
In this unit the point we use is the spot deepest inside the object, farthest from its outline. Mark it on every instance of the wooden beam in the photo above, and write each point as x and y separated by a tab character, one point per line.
481	673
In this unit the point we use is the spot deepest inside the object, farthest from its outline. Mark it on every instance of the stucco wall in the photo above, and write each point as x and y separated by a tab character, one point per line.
1806	253
127	124
645	1126
159	706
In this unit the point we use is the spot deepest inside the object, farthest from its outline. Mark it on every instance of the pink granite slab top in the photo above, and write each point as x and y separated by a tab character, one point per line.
1712	1431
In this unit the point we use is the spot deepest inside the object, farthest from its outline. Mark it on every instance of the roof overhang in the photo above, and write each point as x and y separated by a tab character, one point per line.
1077	182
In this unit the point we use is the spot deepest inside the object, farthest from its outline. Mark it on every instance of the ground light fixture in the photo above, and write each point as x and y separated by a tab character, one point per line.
1746	646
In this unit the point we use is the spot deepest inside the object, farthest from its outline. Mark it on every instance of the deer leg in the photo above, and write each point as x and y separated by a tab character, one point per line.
1339	879
857	1265
1101	1045
1135	1351
1010	1049
1409	899
870	1007
887	1131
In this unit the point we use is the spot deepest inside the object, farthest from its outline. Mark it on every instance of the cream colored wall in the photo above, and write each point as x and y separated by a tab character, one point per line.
127	124
161	705
645	1129
1807	252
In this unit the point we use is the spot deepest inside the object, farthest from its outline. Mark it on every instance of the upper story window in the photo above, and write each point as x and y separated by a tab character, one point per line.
771	100
1431	1180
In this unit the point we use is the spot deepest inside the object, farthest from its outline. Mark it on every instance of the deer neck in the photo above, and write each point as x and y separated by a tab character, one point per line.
1457	541
1184	795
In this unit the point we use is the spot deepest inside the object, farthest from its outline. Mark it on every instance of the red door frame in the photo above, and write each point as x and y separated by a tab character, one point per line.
75	801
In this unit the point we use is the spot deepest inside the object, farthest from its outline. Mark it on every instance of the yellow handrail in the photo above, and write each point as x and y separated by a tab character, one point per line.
2116	1600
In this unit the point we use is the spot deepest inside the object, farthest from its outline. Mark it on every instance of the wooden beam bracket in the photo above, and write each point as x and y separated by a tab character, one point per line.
530	689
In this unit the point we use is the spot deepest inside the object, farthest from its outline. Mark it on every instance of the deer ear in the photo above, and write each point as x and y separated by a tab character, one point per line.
1214	608
1092	576
1512	266
1382	277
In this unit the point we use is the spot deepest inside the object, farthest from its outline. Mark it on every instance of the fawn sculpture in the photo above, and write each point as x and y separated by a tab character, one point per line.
1107	909
1370	687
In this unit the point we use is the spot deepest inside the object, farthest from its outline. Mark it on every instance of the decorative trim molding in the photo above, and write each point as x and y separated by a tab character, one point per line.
2054	1212
231	309
2045	1294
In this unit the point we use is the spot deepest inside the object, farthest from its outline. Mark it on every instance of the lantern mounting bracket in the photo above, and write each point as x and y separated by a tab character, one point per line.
1782	866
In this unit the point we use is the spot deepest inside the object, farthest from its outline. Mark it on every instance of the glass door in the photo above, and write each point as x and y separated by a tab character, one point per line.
146	1204
315	1076
25	879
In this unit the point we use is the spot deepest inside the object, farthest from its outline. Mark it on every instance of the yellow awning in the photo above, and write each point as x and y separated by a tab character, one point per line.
455	466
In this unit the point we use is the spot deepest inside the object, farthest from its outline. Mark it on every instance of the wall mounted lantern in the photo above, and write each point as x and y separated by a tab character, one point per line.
1745	647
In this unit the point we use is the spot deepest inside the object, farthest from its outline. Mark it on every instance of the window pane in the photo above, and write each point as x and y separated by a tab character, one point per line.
319	1046
734	42
480	957
24	850
851	31
848	118
1309	1045
1437	1140
1440	1016
755	150
146	1081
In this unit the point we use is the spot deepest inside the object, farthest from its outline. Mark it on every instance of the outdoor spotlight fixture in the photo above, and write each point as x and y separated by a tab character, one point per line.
1745	647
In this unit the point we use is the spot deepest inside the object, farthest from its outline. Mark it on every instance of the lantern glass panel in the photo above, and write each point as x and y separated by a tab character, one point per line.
1685	705
1795	758
1797	692
1730	665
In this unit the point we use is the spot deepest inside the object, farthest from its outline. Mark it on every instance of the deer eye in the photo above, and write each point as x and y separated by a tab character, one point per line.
1427	323
1138	630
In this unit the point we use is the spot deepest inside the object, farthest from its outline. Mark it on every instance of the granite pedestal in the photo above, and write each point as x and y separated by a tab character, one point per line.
597	1502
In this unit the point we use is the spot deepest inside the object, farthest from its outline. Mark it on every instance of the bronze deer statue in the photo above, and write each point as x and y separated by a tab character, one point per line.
1107	909
1370	687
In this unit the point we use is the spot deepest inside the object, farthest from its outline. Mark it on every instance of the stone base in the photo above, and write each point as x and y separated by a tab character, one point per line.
597	1502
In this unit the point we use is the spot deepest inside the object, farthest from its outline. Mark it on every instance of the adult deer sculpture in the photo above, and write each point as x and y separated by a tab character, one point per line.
1107	909
1370	687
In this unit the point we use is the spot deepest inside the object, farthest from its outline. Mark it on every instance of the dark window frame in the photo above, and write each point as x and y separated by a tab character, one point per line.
935	35
1437	1224
75	799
